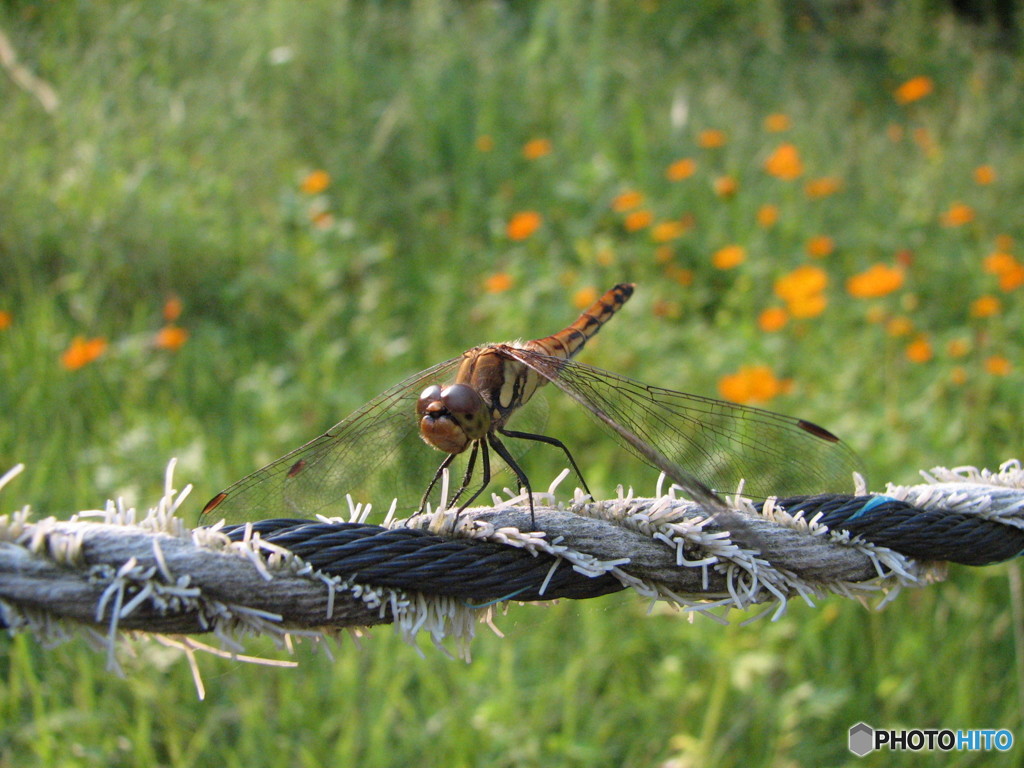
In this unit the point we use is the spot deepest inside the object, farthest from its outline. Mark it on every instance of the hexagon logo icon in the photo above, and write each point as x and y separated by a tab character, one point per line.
862	738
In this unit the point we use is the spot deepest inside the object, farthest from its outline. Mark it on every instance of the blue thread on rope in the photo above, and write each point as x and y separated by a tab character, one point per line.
873	502
509	596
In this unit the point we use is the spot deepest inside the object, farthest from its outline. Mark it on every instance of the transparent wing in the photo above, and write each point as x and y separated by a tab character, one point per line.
375	455
706	446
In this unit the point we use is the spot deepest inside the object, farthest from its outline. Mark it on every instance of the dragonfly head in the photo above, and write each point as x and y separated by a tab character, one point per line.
453	417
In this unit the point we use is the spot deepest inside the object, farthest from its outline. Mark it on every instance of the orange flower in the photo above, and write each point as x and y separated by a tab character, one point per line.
605	257
315	182
584	297
711	138
998	262
785	163
536	148
777	123
924	140
820	246
823	187
985	306
681	169
878	280
801	283
627	201
773	319
729	257
984	175
679	274
755	383
725	186
919	350
484	143
663	254
1004	243
767	215
895	132
899	326
82	352
958	347
172	309
171	337
669	230
637	220
669	309
804	307
914	89
1012	279
5	319
523	224
957	215
499	282
997	365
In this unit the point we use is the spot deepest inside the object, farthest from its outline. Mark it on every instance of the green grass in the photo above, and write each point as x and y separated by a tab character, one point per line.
173	167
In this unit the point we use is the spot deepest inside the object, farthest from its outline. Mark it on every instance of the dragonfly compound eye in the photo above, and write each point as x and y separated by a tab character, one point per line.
429	396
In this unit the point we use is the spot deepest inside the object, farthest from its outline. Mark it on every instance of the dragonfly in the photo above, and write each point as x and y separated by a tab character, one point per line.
462	407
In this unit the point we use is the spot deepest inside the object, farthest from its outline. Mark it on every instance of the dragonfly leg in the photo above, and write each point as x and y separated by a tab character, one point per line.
550	441
465	481
524	482
468	476
433	481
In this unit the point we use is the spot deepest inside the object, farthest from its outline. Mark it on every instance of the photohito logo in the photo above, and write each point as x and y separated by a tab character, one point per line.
865	739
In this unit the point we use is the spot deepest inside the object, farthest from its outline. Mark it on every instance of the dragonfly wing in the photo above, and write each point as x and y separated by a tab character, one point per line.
373	454
704	445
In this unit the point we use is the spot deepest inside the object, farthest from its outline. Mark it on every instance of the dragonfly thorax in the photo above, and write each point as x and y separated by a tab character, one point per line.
451	419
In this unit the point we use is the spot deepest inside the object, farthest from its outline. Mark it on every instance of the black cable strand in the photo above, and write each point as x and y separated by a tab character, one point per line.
925	534
407	558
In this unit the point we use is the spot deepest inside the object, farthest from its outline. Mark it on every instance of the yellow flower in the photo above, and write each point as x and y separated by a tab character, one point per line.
669	230
777	123
315	182
822	187
984	175
919	350
605	257
773	319
637	220
681	169
767	215
820	246
82	352
755	383
785	163
997	365
499	282
878	280
725	186
171	337
584	297
536	148
523	224
914	89
627	201
985	306
711	138
729	257
957	215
